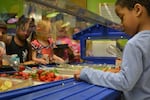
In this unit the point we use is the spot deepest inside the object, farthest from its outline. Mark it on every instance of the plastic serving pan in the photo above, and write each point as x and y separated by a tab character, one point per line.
68	89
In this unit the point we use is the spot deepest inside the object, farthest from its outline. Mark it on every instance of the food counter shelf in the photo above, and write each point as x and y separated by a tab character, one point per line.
67	89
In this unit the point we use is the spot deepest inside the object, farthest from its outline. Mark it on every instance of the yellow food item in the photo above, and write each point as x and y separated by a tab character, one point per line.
8	83
5	85
1	82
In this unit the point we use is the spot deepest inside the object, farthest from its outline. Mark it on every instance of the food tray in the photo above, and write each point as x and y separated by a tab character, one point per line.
7	69
68	89
7	84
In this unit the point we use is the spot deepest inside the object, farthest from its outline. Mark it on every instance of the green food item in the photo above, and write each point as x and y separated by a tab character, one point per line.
122	42
55	71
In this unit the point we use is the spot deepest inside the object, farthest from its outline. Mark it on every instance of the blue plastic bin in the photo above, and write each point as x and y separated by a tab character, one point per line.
68	89
97	32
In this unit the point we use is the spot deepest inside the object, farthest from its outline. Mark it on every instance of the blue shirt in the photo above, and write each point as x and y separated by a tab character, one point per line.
134	78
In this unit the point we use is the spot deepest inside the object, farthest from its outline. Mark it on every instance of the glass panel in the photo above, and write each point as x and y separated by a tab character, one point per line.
66	7
65	16
105	48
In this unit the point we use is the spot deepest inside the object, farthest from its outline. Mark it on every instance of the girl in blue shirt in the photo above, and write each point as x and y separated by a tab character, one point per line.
134	77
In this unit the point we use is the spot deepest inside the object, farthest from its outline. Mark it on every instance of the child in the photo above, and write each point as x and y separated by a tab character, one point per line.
43	45
3	29
18	44
64	33
134	78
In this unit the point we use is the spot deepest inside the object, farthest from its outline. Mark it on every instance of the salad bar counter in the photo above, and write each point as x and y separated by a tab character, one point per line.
67	89
40	84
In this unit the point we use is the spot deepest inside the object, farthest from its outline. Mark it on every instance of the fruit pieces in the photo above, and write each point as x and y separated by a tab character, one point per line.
21	75
5	85
21	68
39	75
8	83
40	71
36	75
58	78
3	75
48	76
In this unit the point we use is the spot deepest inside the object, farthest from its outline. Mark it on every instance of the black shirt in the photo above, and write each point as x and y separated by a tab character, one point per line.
22	51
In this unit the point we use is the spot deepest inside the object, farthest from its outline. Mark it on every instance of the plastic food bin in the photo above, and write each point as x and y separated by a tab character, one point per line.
68	89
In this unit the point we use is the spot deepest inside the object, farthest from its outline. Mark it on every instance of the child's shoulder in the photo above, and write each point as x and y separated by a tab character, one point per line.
51	41
35	43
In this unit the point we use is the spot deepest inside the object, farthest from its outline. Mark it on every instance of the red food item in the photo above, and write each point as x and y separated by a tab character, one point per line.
40	71
20	73
25	75
51	74
21	68
18	77
49	79
3	75
58	78
42	78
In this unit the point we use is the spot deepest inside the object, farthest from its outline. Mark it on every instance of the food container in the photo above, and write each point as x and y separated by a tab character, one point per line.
7	84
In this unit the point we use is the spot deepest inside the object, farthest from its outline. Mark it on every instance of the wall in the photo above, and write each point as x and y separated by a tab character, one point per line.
11	6
16	6
82	4
93	5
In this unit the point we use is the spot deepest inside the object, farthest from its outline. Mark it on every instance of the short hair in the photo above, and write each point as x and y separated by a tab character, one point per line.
130	4
22	21
3	25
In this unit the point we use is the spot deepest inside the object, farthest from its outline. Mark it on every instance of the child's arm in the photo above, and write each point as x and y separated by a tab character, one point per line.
58	59
38	60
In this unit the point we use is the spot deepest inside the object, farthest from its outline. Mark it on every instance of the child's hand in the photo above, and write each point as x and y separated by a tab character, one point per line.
77	75
2	51
43	61
58	60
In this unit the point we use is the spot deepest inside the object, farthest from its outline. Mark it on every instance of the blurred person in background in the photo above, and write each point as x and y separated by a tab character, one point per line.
65	41
76	46
3	29
43	44
18	44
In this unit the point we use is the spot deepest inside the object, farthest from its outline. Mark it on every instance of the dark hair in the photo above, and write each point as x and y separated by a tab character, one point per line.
3	25
22	21
130	4
32	22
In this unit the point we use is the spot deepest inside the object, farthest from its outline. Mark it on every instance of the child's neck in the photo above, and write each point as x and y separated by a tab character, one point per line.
43	40
18	41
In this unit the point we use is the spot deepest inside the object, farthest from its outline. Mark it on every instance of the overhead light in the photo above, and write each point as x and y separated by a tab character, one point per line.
65	24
